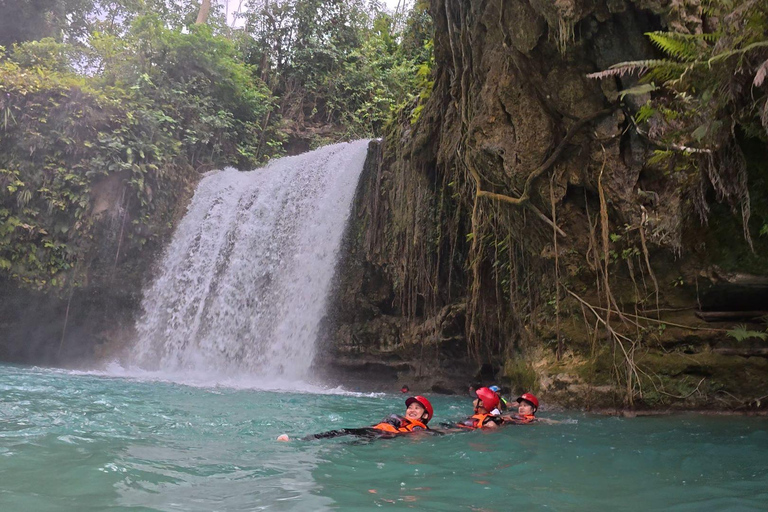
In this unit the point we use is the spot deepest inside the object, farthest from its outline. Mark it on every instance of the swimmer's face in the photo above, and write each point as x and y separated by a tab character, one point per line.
525	408
478	406
415	411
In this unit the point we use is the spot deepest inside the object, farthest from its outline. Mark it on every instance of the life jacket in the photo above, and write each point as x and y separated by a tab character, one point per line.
479	421
521	419
400	425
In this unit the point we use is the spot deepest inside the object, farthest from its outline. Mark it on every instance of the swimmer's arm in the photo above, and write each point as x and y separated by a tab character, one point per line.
516	421
547	421
430	431
447	428
361	432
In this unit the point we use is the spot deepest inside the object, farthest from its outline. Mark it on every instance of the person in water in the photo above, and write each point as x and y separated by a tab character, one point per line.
484	404
527	405
418	412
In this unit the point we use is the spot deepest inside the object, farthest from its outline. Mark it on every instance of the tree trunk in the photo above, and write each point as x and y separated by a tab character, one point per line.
202	16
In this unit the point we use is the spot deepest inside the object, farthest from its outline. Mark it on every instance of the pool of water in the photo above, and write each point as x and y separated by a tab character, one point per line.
80	442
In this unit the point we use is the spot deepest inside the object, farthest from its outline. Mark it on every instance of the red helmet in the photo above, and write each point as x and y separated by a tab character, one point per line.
529	398
424	403
489	398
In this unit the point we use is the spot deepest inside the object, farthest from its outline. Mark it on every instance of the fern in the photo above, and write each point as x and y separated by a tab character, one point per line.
684	47
645	113
671	71
740	51
660	156
741	333
639	66
704	87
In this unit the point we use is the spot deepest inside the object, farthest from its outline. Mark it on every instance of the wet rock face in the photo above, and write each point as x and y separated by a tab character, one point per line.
418	292
93	322
372	337
51	329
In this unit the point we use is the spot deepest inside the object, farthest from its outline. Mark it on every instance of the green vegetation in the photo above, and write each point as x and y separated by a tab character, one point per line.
709	99
134	93
163	103
742	333
346	63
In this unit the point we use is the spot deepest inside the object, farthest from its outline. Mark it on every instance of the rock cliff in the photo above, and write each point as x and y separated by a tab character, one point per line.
517	233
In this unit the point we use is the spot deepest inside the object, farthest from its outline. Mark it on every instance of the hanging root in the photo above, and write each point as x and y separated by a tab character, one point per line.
541	169
559	353
475	258
644	245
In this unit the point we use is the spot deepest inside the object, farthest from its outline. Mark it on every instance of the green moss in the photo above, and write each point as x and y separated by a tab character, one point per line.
597	371
520	374
671	377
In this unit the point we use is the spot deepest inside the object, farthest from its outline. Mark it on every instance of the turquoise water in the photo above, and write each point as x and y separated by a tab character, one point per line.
90	443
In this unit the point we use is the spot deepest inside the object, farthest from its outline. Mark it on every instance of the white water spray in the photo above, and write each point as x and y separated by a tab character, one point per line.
243	284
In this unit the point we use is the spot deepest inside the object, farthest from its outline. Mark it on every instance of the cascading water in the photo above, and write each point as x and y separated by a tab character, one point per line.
243	284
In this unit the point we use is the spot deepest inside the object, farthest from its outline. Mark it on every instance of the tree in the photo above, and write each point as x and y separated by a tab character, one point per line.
205	8
26	20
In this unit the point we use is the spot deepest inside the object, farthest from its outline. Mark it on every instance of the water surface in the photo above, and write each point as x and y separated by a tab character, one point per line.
87	442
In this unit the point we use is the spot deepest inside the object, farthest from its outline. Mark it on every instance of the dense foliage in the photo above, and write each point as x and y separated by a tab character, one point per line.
133	96
340	62
709	106
144	117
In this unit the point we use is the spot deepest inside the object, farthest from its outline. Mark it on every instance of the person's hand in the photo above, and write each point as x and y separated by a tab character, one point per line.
394	420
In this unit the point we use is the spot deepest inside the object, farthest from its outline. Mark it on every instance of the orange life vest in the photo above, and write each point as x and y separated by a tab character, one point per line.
521	419
478	421
405	426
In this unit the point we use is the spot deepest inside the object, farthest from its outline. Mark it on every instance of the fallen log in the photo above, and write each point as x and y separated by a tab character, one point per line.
729	316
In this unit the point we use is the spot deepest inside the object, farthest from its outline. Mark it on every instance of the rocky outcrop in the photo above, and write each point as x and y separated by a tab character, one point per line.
89	323
579	268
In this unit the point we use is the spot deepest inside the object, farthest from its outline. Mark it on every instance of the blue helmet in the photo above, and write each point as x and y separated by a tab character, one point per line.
495	389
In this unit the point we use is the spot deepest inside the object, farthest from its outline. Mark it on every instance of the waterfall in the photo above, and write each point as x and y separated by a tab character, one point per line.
243	285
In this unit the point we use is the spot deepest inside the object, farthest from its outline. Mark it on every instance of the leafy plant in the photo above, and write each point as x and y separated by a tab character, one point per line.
162	104
707	94
741	333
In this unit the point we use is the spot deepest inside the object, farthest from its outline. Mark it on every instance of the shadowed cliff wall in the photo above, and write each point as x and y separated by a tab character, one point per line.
592	288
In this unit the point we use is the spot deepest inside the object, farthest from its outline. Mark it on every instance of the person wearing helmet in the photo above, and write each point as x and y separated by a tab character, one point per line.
418	412
485	402
527	405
